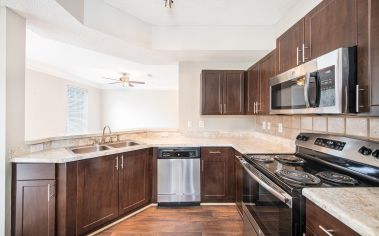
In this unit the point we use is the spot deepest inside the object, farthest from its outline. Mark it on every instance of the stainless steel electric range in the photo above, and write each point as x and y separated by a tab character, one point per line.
272	183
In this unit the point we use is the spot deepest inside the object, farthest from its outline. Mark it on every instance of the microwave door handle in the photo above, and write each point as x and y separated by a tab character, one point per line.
306	89
281	197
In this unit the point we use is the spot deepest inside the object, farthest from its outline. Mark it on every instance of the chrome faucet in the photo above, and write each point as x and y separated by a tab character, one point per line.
103	137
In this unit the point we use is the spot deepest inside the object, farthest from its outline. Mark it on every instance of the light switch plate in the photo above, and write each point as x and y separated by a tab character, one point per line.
201	124
280	128
268	125
264	125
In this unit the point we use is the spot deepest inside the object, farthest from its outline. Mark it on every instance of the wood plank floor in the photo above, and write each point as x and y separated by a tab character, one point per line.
185	221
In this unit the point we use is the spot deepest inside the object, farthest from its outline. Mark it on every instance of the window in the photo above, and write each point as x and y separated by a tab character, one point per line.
77	110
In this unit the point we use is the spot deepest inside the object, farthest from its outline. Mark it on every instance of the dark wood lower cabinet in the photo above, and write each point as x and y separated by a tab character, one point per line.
97	192
35	208
319	222
133	181
238	182
217	175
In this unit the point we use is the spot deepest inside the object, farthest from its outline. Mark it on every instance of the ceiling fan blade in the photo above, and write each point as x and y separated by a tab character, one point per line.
136	82
130	85
115	82
109	78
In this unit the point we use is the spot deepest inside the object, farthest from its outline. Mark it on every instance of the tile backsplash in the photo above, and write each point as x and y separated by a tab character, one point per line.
290	126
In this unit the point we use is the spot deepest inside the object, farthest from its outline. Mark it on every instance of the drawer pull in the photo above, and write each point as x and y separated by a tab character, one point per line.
327	231
214	152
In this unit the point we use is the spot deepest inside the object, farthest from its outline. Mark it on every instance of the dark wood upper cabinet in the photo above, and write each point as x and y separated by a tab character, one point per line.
211	92
233	93
133	181
258	85
222	92
97	192
267	71
35	208
217	175
330	25
289	47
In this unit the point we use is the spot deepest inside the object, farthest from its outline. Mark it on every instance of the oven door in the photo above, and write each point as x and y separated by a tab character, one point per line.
268	208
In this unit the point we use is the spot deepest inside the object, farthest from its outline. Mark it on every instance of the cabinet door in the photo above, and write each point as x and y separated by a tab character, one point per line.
252	89
97	192
327	27
238	181
267	71
35	208
133	185
211	92
288	47
233	94
374	28
216	175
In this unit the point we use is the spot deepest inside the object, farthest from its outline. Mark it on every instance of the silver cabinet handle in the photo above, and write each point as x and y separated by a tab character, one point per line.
214	152
357	99
327	231
297	55
255	110
122	161
116	163
303	51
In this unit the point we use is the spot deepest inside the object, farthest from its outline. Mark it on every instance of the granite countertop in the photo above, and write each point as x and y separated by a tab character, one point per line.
242	145
355	207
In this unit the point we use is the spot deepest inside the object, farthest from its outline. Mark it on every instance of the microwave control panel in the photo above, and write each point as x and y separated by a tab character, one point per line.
327	86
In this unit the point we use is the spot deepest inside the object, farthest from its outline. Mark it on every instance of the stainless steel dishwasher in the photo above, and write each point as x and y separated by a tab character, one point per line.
179	176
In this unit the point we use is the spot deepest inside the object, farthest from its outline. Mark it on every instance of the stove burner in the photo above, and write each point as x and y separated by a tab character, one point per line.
262	158
289	159
337	178
298	176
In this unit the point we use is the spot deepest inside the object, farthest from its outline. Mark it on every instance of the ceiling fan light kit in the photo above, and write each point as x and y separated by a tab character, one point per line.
124	80
168	3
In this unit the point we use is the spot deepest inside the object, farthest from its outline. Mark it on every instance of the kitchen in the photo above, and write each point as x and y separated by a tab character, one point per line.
181	121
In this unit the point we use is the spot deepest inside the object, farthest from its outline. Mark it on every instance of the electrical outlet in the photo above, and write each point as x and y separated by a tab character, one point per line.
201	124
280	128
189	124
268	125
264	125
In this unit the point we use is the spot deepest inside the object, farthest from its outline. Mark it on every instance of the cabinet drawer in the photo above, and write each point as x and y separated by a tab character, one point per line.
215	152
318	222
33	171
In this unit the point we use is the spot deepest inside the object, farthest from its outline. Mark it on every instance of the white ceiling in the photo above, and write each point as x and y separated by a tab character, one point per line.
206	12
89	67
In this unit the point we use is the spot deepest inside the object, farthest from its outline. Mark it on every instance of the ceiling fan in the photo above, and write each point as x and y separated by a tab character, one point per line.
124	80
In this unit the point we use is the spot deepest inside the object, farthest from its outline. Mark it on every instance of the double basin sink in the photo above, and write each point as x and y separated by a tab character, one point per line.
103	147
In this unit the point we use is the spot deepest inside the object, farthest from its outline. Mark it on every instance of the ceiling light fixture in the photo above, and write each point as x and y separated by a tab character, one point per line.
168	3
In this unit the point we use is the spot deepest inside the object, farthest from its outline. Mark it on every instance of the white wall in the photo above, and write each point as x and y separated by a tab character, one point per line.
12	103
46	105
129	109
189	99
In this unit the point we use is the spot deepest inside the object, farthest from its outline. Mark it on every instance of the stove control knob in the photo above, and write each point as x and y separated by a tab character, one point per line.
365	151
302	137
376	153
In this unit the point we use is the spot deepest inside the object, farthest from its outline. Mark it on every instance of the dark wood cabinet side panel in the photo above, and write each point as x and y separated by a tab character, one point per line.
66	198
154	176
374	52
34	208
267	71
211	92
329	26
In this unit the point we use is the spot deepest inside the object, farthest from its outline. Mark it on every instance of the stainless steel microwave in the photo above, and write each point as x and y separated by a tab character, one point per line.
325	85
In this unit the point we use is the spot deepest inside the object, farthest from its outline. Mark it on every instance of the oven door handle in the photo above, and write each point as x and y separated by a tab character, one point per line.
287	199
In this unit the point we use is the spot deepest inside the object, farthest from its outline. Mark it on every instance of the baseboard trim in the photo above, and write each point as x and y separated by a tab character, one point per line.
218	204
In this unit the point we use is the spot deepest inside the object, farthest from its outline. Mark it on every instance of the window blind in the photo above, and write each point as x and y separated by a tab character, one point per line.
77	109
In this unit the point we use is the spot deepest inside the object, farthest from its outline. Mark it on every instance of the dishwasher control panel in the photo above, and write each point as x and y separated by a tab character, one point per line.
178	153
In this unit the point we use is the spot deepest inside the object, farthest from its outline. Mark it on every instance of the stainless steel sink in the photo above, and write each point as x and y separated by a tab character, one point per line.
88	149
123	144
